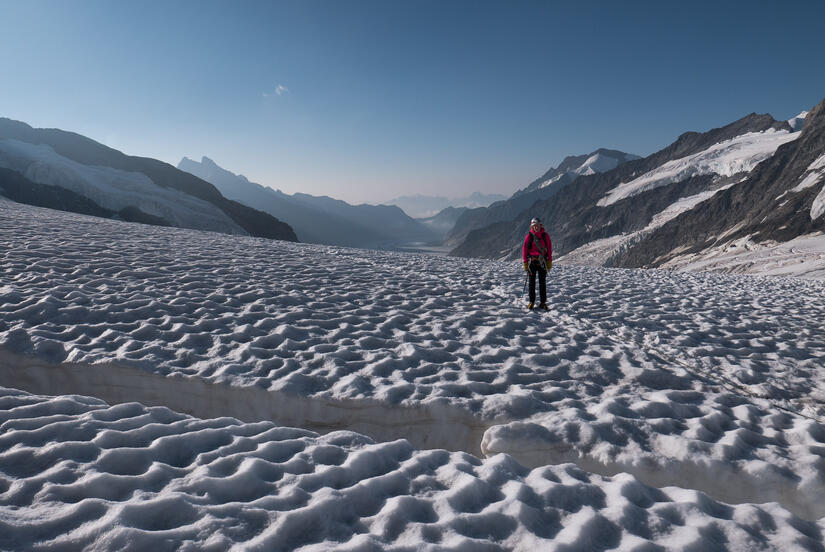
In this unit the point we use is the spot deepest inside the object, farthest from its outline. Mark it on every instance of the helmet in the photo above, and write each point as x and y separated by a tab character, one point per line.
535	221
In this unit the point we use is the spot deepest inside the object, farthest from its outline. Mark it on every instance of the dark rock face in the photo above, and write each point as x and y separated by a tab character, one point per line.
762	206
573	217
88	152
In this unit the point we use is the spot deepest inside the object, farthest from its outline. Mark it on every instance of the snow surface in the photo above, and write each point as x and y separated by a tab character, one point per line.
113	188
708	387
80	474
729	157
803	256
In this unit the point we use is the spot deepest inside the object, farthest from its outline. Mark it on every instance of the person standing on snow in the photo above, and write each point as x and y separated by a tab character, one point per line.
537	254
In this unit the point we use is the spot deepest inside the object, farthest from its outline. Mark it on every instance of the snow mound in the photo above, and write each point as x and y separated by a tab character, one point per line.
729	157
679	438
76	473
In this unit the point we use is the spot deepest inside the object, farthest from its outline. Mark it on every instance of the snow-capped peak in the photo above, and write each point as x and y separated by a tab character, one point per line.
797	122
597	163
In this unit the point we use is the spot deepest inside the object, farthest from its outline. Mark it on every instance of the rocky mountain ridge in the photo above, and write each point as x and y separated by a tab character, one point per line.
318	219
591	222
543	188
780	200
60	169
422	206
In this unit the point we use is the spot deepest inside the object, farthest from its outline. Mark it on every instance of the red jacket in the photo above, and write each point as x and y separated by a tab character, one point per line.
531	247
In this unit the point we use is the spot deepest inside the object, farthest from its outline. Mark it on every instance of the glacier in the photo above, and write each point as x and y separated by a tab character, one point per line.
170	388
727	158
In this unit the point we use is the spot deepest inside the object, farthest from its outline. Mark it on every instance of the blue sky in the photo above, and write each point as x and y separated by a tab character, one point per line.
368	100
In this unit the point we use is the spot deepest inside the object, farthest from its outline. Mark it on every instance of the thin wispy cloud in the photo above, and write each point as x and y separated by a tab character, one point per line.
280	90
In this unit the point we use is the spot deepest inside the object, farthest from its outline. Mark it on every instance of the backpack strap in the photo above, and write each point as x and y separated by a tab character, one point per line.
542	246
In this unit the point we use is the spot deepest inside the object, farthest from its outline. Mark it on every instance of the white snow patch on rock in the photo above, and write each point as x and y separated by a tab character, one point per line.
599	252
818	206
812	175
552	180
596	163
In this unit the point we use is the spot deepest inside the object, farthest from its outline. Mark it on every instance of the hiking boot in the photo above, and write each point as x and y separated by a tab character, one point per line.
543	306
530	306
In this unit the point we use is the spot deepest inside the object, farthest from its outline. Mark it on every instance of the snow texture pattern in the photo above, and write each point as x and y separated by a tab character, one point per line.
76	473
709	383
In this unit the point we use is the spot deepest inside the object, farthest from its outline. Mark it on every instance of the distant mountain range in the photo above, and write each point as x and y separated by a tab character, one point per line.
707	201
63	170
544	187
754	182
319	219
421	206
444	221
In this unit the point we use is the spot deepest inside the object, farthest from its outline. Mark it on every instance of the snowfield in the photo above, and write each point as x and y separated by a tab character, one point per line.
647	410
803	256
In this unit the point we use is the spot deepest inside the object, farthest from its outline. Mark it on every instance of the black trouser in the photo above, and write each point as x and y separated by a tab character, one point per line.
538	267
